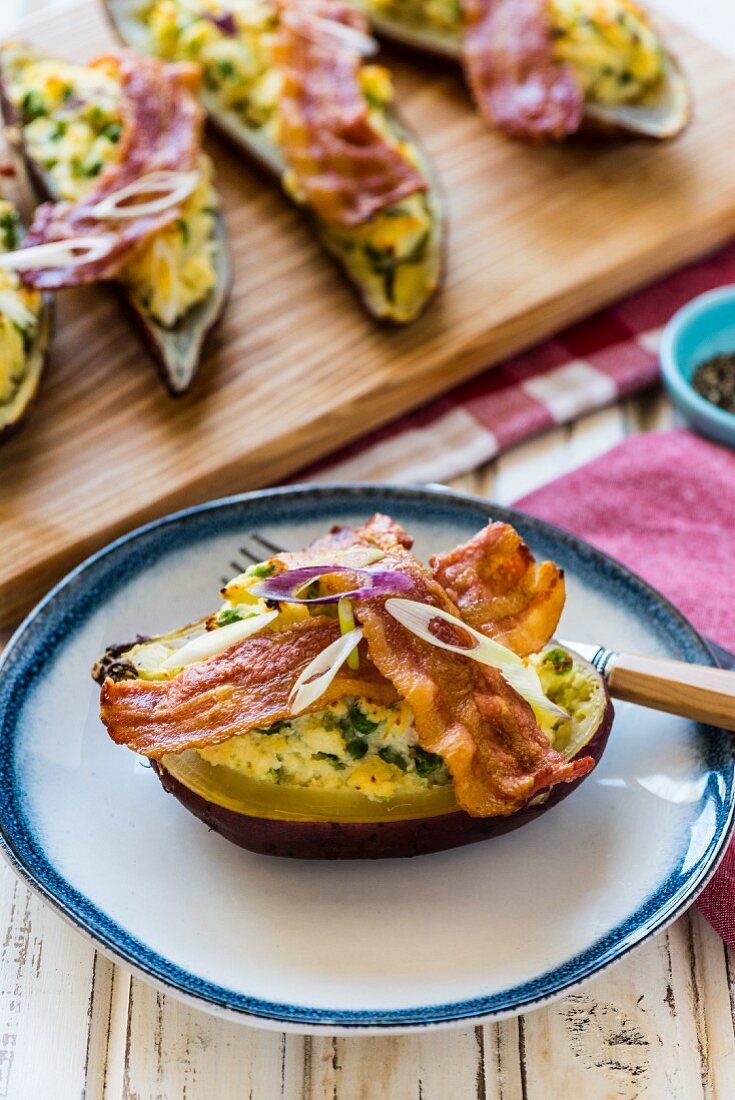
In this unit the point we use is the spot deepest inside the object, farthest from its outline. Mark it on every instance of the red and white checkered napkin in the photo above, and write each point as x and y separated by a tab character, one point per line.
663	503
609	356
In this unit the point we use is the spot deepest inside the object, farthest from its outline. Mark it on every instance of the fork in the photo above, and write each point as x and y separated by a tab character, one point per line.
263	548
699	692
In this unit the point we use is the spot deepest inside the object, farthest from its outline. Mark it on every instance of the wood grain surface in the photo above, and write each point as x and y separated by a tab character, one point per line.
538	236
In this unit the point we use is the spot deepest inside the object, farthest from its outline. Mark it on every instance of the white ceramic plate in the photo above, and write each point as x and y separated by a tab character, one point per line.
471	934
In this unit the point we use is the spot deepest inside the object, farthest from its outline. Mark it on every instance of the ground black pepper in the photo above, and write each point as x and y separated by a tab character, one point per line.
714	379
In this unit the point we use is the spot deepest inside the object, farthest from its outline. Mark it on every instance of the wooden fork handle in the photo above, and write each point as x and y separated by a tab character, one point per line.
692	691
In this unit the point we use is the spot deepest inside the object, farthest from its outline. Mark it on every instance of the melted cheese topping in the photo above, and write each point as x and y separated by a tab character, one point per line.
610	45
72	125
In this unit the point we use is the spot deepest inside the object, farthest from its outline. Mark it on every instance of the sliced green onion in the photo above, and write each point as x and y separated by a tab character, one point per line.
70	252
319	673
216	641
417	617
171	188
346	624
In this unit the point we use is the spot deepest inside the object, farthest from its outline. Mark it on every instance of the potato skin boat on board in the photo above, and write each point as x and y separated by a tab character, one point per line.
26	322
546	69
293	731
74	126
394	258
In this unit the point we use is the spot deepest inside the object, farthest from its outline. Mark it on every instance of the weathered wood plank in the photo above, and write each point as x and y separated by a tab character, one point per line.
174	1051
712	1004
47	978
628	1034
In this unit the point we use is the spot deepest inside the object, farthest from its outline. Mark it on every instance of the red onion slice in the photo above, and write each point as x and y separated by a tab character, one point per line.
284	587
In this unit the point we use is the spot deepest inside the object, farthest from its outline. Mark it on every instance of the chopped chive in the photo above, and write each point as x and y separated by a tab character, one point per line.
360	722
263	569
332	758
275	728
9	229
390	756
357	747
426	763
559	660
226	69
228	615
32	106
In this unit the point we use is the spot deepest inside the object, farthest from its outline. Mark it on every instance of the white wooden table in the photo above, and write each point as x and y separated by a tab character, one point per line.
657	1026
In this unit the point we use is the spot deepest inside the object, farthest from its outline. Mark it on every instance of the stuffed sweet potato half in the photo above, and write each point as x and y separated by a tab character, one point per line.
545	69
349	701
287	84
115	149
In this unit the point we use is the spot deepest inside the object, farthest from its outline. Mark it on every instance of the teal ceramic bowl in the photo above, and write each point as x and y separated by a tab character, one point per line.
702	328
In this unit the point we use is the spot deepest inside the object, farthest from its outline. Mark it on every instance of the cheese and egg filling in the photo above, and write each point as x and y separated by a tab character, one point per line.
611	47
354	745
20	310
72	125
395	256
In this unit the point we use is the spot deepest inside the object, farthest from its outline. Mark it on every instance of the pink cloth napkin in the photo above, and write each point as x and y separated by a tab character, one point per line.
592	364
664	505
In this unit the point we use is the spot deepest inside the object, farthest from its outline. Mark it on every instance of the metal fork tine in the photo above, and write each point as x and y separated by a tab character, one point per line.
272	546
248	553
253	556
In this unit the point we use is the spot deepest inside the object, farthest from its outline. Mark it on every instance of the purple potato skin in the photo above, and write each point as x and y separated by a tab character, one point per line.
157	348
371	840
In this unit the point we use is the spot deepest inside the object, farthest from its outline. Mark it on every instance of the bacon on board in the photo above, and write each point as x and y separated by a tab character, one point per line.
519	86
345	167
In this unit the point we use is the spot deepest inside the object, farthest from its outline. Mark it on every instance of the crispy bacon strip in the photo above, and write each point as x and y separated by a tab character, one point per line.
346	168
515	80
486	733
500	590
382	532
162	130
245	687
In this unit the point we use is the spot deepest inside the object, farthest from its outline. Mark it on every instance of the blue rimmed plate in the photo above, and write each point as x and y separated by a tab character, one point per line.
460	936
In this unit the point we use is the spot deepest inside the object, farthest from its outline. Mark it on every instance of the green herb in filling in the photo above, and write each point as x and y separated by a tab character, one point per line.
390	756
229	615
426	763
31	106
331	757
9	230
559	660
360	722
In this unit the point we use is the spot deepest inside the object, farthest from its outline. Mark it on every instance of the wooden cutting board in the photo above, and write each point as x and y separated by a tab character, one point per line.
538	238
